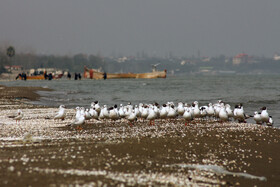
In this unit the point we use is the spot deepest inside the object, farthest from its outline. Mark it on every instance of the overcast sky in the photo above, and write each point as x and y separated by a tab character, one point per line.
156	27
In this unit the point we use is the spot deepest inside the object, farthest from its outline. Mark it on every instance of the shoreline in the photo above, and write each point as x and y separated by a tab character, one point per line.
21	92
40	151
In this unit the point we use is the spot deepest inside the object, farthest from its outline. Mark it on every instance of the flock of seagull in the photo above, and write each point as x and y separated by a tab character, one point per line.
219	111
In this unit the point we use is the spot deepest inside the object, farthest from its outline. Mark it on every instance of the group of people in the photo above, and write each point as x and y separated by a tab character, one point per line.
76	77
190	113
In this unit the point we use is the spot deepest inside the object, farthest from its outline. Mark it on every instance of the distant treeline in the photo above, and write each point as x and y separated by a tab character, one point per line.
77	62
74	63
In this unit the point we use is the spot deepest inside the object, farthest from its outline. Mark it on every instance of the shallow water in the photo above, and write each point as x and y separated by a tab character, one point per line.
254	91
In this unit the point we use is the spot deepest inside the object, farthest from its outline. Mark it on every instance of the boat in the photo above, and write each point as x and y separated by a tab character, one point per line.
44	76
96	74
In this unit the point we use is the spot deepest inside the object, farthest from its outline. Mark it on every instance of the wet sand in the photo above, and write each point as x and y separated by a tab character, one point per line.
39	151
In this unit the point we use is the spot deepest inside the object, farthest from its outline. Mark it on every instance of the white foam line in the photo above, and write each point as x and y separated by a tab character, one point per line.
220	170
133	179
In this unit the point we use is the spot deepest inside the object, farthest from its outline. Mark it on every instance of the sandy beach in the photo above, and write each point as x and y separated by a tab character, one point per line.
39	151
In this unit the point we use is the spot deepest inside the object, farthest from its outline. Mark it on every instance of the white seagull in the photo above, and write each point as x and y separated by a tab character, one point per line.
131	117
61	113
264	115
151	116
19	115
187	116
223	115
257	117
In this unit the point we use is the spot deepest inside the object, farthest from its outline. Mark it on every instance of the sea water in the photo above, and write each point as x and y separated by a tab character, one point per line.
253	91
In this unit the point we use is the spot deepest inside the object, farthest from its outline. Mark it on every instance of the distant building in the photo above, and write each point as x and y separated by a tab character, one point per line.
276	57
13	68
240	58
122	59
206	59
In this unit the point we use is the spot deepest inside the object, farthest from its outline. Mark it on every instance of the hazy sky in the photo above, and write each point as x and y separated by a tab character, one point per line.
129	26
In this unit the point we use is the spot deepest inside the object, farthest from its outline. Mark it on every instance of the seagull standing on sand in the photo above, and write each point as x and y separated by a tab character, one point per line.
210	110
180	108
196	111
187	116
78	113
19	115
172	112
78	121
257	117
104	113
264	115
93	113
131	117
87	114
156	109
145	112
113	113
121	111
97	107
236	108
61	113
151	116
270	121
229	111
240	115
223	115
163	112
137	112
203	112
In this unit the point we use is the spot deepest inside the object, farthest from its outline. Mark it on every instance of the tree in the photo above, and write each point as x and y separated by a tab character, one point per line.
3	62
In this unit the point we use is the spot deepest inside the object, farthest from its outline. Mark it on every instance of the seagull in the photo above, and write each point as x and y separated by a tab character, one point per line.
151	116
264	115
78	113
223	115
131	117
257	117
156	109
87	114
104	113
121	111
187	116
270	121
240	115
113	113
93	113
180	108
61	113
171	112
210	110
203	112
163	112
145	112
137	112
19	115
229	110
196	111
217	108
78	121
236	108
96	105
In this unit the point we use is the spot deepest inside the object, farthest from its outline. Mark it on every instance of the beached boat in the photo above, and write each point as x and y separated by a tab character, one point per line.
96	74
44	76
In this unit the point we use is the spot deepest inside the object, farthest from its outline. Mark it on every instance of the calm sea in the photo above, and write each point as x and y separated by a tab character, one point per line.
254	91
